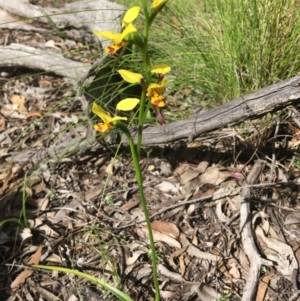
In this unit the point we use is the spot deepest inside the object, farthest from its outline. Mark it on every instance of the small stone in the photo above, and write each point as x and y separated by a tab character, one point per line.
50	44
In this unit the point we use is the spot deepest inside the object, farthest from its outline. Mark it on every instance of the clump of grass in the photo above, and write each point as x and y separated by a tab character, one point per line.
223	49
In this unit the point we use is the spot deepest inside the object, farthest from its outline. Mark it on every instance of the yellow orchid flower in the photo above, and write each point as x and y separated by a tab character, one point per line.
155	93
105	116
120	38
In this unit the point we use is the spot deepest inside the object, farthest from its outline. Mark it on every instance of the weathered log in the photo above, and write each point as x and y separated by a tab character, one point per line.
18	55
91	14
269	99
78	19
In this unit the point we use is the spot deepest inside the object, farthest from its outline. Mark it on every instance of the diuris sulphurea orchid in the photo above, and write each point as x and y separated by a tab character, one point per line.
155	91
119	39
152	94
108	121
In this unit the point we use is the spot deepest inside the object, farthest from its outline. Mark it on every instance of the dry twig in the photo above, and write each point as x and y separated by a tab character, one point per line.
247	237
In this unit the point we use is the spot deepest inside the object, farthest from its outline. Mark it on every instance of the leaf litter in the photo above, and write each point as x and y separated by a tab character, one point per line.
83	211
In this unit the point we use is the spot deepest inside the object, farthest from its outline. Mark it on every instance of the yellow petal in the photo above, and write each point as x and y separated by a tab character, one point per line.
128	30
102	127
161	68
111	35
113	48
158	100
159	104
117	118
105	116
128	104
130	15
130	77
157	3
155	87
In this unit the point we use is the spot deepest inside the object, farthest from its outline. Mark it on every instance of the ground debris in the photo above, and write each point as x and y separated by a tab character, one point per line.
82	209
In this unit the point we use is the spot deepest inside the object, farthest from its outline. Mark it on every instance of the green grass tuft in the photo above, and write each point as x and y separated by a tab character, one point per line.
219	50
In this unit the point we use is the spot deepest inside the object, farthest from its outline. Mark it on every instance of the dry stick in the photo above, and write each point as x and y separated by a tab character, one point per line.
247	237
274	151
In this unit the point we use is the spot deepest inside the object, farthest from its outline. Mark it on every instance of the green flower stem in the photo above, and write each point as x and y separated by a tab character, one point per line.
146	59
143	108
147	68
146	13
139	178
141	123
147	108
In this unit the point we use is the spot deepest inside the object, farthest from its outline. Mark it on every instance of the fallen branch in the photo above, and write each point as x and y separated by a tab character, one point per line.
19	55
256	261
80	14
269	99
77	20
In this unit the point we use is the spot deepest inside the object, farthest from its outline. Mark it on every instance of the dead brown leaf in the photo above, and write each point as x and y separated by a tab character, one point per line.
129	205
169	274
175	254
25	234
6	180
188	175
202	166
2	124
166	228
19	101
278	251
262	287
21	278
168	295
244	261
35	259
93	192
181	169
214	175
234	271
33	114
158	236
167	187
135	255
